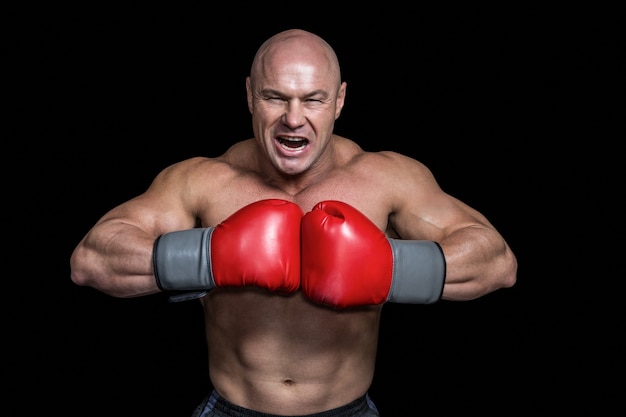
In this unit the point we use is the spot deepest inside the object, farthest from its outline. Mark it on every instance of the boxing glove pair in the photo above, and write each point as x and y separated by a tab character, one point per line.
334	253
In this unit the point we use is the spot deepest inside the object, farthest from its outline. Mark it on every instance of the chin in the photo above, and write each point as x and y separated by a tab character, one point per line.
291	171
291	167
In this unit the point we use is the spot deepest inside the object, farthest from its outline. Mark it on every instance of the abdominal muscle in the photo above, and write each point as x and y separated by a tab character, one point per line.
281	354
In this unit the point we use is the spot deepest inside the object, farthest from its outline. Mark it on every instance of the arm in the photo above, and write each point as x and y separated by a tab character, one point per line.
478	259
115	256
154	243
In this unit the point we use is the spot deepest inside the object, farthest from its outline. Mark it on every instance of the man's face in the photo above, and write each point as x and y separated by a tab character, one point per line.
294	107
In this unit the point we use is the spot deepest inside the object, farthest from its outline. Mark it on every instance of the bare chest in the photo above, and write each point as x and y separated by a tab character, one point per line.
370	198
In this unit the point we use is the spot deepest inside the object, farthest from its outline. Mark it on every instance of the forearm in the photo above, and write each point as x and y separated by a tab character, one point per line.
478	262
115	259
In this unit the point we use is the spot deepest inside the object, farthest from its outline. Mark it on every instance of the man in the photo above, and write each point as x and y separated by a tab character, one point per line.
293	241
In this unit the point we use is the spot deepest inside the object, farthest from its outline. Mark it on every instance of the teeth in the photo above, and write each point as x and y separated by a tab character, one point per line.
289	143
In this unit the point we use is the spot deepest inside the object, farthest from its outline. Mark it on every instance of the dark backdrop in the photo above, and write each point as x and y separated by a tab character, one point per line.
106	98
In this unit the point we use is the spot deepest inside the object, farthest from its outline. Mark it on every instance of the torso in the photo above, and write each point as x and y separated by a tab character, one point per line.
283	354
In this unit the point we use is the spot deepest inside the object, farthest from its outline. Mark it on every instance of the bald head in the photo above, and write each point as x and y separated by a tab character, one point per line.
295	94
295	47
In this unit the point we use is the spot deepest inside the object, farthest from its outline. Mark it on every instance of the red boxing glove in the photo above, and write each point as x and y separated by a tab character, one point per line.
348	261
259	245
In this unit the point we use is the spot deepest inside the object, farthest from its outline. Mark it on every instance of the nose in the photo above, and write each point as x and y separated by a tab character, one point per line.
294	114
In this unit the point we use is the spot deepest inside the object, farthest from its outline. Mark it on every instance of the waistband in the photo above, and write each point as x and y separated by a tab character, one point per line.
222	407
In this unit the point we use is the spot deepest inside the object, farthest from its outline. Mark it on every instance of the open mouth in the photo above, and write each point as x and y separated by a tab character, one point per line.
292	143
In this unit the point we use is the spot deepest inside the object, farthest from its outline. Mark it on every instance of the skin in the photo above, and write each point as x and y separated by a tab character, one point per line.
278	353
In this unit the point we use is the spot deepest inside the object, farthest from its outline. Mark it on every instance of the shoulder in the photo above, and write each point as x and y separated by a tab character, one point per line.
391	164
381	165
208	173
201	168
404	183
188	180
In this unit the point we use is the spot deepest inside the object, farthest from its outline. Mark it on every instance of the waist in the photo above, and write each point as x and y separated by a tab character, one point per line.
303	393
219	405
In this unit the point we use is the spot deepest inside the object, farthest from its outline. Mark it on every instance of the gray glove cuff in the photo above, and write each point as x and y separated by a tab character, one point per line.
419	272
182	261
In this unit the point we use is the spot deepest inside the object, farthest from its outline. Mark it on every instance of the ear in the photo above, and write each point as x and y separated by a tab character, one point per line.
249	94
341	98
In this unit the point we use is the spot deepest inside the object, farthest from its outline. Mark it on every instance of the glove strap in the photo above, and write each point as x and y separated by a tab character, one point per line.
419	272
186	296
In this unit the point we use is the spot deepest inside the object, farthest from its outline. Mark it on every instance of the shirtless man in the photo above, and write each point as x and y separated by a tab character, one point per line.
293	241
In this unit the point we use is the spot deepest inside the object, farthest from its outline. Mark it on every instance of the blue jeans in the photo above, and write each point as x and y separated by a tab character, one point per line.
216	406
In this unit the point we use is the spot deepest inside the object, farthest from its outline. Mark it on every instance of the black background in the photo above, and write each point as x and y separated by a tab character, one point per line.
502	104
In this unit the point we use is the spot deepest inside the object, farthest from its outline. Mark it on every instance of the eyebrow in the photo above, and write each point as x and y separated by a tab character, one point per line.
271	91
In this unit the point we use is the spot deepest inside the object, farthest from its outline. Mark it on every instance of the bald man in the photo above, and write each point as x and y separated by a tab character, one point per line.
293	241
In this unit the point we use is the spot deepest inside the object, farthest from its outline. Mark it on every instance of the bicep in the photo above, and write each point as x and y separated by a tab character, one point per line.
431	219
